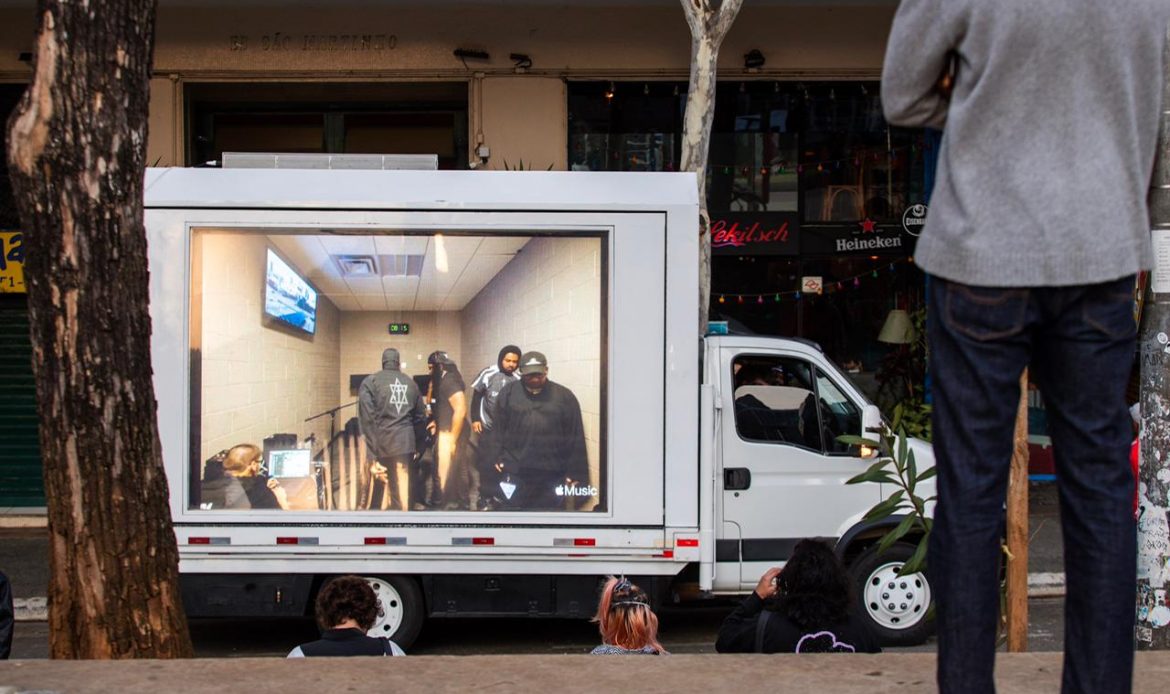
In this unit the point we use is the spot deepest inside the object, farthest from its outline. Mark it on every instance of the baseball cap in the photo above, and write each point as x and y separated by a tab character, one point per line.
533	363
438	357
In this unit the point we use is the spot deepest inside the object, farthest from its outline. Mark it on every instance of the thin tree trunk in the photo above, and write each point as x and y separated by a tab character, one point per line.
76	157
709	21
1016	613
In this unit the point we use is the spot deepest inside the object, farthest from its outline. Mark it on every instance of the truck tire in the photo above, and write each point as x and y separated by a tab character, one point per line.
895	608
400	609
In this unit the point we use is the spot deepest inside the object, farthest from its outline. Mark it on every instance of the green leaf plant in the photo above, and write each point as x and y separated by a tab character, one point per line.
896	466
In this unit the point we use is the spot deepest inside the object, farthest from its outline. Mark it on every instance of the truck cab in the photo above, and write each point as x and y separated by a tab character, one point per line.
777	408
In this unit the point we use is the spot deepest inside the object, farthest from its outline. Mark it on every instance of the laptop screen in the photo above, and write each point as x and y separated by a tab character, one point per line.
296	462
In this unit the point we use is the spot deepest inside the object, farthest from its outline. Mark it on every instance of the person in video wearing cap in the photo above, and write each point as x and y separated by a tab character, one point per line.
458	479
538	441
485	391
389	407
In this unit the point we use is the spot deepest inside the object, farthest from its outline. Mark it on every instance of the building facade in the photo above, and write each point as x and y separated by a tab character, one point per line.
813	197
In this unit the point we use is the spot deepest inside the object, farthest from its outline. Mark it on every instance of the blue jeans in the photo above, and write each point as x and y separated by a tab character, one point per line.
1079	343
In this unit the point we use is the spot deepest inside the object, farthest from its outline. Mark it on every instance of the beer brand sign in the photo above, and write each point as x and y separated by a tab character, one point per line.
755	233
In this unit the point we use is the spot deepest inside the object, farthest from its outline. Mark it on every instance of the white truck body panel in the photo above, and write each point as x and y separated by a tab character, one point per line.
669	440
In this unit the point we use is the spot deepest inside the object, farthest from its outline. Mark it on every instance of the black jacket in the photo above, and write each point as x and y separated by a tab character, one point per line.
781	635
389	405
540	432
345	642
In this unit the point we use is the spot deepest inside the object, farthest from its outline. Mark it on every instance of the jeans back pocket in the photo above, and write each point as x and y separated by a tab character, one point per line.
985	313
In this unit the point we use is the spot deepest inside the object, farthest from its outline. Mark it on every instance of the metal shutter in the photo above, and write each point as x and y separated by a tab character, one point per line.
21	483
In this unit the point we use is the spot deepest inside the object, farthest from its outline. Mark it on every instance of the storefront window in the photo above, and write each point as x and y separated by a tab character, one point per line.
853	165
489	401
625	126
426	118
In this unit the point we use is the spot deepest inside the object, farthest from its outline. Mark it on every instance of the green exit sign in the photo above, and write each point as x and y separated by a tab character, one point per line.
400	328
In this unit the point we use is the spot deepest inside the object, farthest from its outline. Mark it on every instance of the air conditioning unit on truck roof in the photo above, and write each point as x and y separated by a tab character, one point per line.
262	344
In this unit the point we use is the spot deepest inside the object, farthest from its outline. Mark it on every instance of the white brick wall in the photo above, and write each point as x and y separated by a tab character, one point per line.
258	380
547	298
364	335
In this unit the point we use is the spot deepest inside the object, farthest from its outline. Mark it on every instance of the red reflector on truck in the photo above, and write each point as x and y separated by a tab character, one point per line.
687	542
199	540
462	541
668	554
375	540
286	540
584	542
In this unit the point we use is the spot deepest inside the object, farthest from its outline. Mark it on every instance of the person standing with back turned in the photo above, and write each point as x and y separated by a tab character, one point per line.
1037	225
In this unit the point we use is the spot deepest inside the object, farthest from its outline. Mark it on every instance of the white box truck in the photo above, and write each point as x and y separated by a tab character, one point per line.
274	294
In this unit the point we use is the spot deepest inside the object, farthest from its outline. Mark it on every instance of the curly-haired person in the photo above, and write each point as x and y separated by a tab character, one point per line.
628	626
346	609
802	608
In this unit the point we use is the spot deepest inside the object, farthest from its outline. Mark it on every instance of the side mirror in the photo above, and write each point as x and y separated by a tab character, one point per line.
871	424
871	420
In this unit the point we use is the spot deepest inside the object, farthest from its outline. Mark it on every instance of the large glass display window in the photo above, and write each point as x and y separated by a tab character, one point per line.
397	371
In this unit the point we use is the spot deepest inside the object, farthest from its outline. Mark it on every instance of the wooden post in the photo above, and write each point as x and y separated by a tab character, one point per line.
1016	609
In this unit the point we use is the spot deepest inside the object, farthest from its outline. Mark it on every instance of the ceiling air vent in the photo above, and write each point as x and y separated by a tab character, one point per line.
356	265
401	265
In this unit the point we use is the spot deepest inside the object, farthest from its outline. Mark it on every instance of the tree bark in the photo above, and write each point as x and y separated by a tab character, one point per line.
709	21
1017	531
76	157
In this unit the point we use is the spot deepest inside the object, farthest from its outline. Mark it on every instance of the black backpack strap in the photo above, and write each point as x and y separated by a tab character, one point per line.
386	650
761	623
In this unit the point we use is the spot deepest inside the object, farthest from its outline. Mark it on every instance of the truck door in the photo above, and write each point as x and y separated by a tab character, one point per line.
784	472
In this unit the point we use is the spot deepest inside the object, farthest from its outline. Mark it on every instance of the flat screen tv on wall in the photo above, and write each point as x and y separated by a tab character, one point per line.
288	298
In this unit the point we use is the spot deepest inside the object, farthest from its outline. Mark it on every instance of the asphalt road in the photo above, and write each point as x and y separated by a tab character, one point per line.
686	629
682	630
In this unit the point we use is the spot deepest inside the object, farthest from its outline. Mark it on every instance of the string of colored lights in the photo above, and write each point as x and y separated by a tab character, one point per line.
786	166
844	284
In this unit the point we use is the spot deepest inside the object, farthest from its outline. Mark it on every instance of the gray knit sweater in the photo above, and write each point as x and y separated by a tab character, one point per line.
1048	138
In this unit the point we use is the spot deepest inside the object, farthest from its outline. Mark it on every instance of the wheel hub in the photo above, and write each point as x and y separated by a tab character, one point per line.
389	608
896	602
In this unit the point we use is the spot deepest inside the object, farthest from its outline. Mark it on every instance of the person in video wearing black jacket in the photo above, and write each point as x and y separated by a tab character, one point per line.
802	608
538	442
485	391
346	609
389	408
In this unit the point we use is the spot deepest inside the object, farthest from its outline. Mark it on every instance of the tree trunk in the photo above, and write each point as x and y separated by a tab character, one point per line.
76	157
1016	602
709	21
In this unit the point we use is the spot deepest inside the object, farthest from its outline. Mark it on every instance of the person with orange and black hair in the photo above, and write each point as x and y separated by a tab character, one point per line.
627	624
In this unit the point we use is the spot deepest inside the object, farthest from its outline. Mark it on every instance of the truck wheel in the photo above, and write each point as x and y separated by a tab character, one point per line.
400	609
895	607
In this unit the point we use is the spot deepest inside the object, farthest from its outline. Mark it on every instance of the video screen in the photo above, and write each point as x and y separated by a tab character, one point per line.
491	401
287	297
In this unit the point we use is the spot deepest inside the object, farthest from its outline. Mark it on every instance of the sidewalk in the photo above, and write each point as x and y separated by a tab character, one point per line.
861	674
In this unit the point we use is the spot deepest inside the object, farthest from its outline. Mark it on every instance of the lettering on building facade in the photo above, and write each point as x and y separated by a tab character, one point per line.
281	42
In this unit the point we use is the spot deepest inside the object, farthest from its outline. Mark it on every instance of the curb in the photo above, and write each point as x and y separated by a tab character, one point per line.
1040	585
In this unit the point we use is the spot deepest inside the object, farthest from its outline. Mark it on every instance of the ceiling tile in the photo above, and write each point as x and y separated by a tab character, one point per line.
348	245
371	302
344	302
502	245
401	245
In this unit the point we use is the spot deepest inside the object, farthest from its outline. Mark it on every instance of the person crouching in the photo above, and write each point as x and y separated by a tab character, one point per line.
346	609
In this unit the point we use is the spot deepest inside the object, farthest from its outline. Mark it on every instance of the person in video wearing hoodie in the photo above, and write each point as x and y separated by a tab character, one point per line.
485	391
389	407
